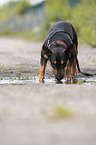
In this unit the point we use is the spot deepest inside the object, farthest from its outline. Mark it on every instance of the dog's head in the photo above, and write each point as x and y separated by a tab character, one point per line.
58	57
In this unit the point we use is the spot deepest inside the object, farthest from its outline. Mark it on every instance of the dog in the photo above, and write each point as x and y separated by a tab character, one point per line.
60	48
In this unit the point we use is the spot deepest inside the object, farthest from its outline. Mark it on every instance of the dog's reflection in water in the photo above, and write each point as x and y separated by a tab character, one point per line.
73	81
68	81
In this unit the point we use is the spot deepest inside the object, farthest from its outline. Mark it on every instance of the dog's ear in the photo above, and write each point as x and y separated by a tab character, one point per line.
68	50
47	51
71	47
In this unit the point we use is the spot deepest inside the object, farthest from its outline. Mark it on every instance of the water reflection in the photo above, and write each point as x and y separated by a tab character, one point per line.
72	81
48	80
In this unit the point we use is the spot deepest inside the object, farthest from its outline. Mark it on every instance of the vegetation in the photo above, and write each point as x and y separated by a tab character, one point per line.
15	20
62	112
82	16
84	20
13	9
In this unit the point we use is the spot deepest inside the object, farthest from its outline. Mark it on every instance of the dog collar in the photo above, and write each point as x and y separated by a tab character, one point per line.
57	42
61	43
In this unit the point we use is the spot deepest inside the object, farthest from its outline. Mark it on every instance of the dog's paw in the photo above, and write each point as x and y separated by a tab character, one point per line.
74	70
68	76
40	79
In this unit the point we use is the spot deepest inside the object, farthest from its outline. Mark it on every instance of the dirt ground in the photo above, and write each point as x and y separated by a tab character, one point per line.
27	111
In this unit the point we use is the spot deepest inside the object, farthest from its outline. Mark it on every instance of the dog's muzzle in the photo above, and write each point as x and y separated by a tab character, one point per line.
59	74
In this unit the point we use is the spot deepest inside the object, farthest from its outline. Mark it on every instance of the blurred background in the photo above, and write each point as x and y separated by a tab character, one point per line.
31	19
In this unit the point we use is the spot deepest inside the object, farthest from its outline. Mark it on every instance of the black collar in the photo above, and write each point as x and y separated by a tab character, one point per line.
58	41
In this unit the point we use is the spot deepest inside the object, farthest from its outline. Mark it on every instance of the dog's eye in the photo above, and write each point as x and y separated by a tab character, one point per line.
62	62
55	62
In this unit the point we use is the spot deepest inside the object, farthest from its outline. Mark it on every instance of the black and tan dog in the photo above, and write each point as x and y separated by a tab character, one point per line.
60	48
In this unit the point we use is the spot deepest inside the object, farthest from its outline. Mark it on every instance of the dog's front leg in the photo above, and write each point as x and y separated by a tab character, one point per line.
74	68
43	63
74	64
68	71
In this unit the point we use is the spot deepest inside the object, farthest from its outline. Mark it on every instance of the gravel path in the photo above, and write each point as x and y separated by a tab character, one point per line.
28	113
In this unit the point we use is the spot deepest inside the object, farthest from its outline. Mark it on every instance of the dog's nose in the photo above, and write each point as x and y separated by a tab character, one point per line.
60	77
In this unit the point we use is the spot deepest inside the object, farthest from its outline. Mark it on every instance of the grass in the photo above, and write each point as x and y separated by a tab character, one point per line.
80	81
19	77
62	112
94	60
89	82
82	16
27	34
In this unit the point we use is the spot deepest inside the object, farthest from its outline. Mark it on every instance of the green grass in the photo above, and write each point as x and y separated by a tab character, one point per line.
62	112
80	81
26	34
94	60
82	17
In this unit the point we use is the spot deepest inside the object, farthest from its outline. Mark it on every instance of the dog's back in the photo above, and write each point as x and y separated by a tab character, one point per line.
65	27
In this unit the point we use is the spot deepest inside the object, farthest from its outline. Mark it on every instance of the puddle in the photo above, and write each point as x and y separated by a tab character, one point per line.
33	80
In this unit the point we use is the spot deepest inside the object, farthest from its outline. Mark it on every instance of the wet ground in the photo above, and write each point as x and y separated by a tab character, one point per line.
47	113
33	80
